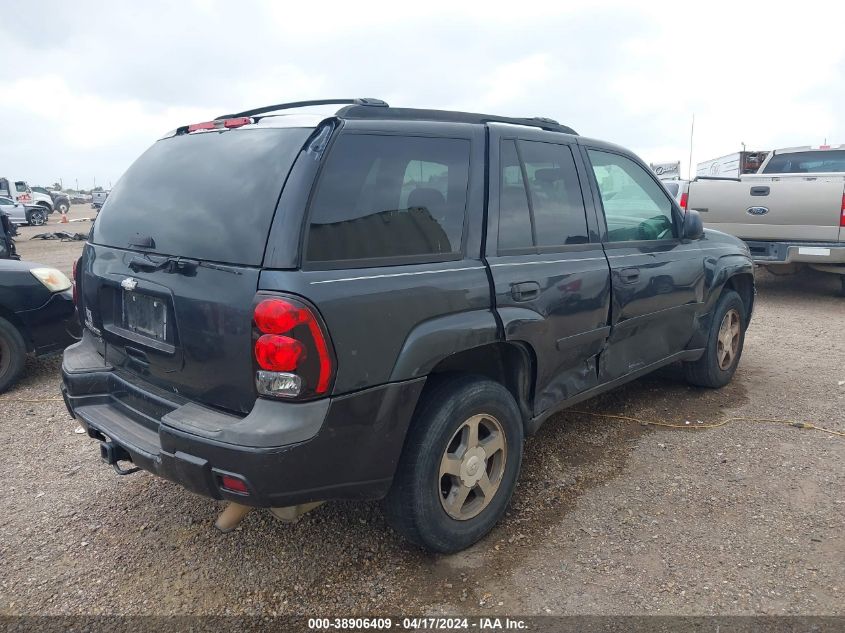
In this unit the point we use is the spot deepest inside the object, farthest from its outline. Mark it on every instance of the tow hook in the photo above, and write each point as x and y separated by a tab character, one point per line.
112	454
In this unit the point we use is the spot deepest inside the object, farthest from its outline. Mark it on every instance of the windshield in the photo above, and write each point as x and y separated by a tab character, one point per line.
821	161
208	196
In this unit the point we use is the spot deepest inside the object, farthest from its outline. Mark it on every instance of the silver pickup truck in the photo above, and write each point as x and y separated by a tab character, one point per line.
792	211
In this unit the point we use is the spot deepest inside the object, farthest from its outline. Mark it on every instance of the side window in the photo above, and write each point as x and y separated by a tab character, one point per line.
635	207
383	197
556	201
20	186
515	230
550	210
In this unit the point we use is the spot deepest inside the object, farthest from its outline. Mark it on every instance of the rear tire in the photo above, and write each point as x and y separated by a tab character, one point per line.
725	340
459	465
12	354
62	208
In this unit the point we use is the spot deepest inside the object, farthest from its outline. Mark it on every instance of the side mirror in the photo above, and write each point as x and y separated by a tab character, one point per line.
693	226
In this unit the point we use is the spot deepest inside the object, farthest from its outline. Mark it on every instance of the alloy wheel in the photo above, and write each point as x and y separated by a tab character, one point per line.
472	467
728	340
37	218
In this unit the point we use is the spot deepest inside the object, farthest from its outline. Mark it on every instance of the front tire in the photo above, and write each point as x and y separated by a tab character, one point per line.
459	465
12	354
725	340
37	217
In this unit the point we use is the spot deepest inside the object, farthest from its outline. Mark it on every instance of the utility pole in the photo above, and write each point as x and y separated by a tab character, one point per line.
77	184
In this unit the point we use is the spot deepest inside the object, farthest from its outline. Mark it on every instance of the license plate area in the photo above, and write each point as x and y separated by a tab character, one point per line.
145	315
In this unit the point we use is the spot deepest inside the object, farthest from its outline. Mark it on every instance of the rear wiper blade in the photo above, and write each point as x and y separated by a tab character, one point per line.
225	269
175	265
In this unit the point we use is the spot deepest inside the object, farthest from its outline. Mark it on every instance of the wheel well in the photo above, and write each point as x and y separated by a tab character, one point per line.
743	285
509	364
12	318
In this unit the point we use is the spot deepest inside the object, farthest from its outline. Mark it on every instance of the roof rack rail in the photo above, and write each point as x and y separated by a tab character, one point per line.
352	111
300	104
544	119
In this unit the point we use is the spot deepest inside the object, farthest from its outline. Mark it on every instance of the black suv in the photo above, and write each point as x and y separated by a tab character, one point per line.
283	308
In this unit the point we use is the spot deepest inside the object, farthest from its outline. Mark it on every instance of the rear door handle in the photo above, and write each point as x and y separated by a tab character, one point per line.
525	290
629	275
759	191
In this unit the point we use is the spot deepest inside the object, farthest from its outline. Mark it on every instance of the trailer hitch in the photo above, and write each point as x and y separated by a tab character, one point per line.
113	453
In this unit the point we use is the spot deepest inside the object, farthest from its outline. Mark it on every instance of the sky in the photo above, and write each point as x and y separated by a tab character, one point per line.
89	85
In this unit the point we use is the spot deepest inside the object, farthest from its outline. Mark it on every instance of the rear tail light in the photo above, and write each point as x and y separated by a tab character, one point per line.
291	349
278	353
75	281
684	200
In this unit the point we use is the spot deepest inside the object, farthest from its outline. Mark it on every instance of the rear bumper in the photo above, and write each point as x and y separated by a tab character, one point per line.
286	453
797	252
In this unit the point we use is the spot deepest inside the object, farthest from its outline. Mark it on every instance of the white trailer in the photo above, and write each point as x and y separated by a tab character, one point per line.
733	165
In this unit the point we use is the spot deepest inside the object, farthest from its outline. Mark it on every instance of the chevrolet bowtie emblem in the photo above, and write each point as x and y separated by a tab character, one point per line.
129	283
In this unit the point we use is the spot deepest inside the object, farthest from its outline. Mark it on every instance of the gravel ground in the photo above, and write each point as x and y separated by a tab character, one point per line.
609	517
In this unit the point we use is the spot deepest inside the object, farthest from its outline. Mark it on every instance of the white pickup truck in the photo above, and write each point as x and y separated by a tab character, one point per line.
792	211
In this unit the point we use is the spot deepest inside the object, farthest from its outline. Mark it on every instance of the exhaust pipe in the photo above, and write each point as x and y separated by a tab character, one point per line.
112	453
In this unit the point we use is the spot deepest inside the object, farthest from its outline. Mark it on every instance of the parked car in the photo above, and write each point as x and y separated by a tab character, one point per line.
423	292
98	198
792	211
37	315
18	213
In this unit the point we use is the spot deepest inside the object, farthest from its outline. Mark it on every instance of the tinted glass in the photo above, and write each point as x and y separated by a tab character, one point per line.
207	196
388	197
635	206
556	201
514	216
20	186
672	187
822	161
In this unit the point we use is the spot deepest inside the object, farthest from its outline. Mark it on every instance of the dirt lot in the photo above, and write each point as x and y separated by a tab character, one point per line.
609	517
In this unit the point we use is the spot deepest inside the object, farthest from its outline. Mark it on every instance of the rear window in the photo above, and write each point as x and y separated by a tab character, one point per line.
208	196
822	161
672	187
390	198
